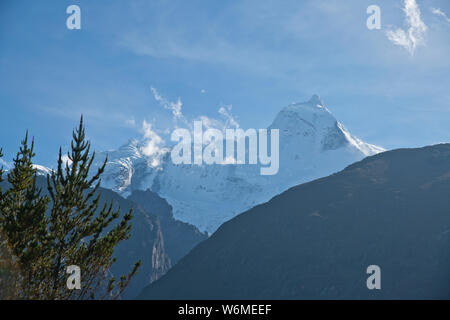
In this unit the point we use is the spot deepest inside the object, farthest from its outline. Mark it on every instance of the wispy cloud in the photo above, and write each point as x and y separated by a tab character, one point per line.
227	121
153	138
440	13
174	106
225	111
414	36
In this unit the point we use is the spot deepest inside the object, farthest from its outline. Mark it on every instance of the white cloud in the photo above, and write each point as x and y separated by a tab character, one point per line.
174	106
208	122
153	141
153	145
221	124
440	13
414	36
230	120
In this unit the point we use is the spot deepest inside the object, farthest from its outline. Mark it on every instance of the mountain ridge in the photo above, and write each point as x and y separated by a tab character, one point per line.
316	240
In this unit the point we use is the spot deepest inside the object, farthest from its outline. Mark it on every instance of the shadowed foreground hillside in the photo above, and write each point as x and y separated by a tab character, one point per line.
316	240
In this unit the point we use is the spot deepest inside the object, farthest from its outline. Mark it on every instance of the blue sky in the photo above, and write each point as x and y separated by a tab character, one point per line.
255	56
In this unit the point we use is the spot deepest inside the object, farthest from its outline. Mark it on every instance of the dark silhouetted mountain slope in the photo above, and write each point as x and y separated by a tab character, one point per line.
316	240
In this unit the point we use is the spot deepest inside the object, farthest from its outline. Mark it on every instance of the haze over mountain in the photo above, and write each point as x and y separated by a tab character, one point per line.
312	144
316	240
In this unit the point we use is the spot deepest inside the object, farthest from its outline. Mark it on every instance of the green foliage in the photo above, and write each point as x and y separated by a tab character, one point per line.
8	273
1	171
69	227
8	268
23	221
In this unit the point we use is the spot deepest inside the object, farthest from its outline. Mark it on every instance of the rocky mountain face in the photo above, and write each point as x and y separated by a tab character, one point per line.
145	244
179	237
312	144
316	240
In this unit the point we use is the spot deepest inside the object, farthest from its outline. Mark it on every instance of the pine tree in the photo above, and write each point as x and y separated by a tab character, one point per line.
1	180
46	234
23	221
1	176
8	271
81	230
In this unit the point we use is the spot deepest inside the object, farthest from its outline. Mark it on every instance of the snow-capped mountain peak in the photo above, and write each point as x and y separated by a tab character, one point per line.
313	144
40	170
314	101
311	113
312	123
